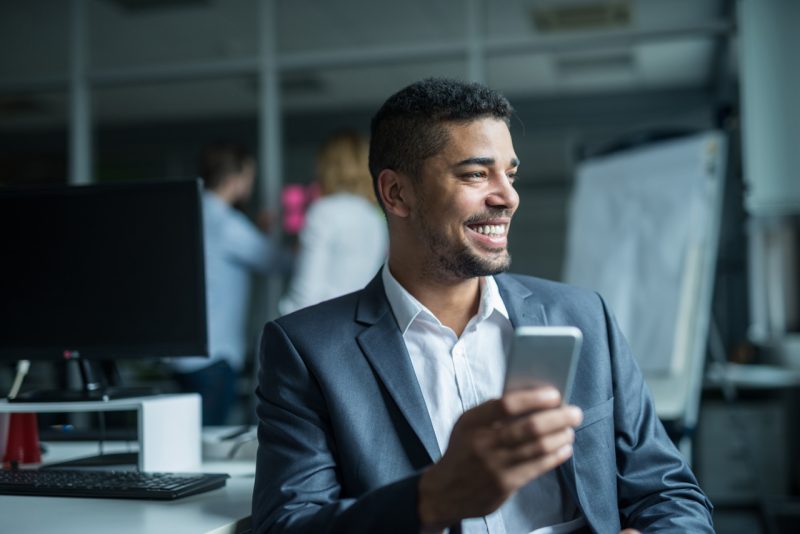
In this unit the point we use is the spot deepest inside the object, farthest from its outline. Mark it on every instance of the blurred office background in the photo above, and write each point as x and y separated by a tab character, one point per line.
116	90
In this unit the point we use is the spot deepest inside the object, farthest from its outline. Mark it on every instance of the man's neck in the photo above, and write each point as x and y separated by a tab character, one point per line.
225	193
453	302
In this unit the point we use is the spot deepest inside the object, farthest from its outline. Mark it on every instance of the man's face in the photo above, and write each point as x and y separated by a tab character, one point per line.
465	201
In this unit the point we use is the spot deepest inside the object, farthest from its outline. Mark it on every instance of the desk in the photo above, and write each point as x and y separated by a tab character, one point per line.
222	511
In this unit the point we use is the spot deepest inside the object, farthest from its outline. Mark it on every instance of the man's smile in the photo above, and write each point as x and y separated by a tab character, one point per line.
489	233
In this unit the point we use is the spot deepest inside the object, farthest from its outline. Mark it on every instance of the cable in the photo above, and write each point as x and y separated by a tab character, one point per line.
22	370
241	441
102	420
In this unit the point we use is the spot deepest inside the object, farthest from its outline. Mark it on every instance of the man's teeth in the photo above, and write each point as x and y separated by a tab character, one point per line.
491	229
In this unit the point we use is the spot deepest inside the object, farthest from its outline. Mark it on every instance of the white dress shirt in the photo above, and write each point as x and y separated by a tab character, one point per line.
458	373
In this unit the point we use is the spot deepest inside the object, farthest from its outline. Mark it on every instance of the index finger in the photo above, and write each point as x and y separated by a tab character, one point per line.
515	403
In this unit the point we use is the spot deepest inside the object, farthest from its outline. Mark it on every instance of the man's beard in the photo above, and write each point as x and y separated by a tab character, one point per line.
455	259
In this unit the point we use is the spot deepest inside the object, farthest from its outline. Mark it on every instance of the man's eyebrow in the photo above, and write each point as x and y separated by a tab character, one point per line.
475	161
483	161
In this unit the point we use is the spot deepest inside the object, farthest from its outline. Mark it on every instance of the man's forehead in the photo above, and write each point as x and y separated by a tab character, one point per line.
464	125
474	142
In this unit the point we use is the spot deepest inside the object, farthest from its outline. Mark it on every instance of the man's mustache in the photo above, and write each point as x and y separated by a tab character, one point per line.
489	214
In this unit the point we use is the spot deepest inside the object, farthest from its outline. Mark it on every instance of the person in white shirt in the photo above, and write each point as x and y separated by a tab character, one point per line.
344	239
234	249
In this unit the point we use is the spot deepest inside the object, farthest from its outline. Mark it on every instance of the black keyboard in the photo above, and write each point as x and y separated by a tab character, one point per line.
107	484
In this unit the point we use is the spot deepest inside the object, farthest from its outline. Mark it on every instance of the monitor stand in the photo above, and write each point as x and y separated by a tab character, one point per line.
92	389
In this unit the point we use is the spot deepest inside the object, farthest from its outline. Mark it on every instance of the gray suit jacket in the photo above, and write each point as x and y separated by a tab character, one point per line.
344	432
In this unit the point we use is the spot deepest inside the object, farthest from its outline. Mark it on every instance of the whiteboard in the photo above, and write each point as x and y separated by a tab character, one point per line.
643	231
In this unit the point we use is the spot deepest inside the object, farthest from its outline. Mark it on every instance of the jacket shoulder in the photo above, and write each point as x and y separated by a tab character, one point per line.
547	291
318	319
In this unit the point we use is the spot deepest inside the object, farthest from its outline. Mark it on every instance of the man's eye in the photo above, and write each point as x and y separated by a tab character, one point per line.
512	177
477	175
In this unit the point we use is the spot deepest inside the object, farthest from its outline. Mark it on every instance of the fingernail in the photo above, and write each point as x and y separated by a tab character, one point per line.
548	394
565	451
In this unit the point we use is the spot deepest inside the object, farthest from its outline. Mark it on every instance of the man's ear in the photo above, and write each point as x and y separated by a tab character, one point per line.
396	192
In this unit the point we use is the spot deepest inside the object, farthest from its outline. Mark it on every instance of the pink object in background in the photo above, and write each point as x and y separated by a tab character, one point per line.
295	199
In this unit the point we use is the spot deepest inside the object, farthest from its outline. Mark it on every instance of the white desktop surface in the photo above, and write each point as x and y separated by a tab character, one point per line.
224	510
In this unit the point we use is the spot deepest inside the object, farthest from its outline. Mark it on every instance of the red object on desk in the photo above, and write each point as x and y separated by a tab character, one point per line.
23	440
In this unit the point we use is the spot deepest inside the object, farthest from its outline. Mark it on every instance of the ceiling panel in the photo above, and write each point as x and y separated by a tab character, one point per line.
204	98
653	14
170	32
521	74
34	39
368	86
674	64
324	25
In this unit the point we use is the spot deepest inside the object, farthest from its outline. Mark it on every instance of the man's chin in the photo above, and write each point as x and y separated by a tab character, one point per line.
499	268
496	261
481	266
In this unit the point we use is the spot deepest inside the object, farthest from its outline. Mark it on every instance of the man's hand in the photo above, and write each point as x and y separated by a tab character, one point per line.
495	449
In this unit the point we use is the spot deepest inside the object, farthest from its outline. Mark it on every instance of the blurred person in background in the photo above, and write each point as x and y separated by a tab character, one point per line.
234	249
344	240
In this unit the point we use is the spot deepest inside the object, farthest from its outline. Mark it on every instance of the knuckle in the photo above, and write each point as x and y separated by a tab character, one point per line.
479	447
505	406
534	425
547	446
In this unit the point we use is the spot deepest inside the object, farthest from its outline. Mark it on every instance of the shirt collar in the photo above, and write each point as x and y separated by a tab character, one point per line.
406	308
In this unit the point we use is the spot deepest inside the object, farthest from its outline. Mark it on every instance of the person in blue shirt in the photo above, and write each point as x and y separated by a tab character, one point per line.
234	249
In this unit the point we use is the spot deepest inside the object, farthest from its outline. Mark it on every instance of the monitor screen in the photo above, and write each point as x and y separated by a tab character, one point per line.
102	271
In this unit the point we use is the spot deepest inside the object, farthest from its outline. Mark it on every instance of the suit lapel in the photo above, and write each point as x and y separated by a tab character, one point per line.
524	309
383	346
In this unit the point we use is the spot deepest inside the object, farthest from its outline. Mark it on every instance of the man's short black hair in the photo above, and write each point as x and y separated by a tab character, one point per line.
409	127
220	160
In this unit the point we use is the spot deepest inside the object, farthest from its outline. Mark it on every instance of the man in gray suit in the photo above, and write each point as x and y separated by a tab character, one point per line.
384	411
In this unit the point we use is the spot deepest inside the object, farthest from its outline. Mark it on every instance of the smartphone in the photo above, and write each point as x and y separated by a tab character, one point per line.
544	355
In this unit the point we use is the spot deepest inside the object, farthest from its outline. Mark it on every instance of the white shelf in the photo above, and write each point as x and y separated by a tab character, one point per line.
168	426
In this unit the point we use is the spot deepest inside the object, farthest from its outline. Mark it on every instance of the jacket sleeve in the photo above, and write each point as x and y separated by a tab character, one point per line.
657	491
297	486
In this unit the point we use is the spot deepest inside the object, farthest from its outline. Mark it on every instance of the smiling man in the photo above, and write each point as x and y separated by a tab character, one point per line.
384	411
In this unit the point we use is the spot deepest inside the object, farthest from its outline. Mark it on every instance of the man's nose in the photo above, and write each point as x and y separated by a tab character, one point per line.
503	194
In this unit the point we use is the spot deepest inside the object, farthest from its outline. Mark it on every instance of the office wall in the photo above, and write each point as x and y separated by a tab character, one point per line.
548	135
